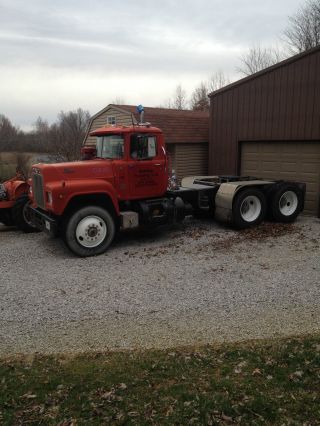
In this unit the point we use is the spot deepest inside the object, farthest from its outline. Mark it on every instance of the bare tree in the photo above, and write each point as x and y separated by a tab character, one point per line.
180	98
217	81
42	134
67	134
199	98
8	133
41	125
303	31
259	58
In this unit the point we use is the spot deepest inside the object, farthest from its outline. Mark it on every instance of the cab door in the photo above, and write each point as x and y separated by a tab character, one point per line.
146	166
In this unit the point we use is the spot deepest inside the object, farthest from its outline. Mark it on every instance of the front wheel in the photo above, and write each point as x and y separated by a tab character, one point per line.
249	208
89	231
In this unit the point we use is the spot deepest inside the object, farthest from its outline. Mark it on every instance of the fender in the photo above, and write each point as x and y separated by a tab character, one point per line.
16	188
226	194
63	192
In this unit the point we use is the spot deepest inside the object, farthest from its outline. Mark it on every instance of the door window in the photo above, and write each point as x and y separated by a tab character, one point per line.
143	147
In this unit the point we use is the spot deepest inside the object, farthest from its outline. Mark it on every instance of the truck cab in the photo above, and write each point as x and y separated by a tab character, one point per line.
138	160
127	172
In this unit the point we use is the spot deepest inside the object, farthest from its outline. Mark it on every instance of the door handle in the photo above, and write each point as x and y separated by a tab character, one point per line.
158	164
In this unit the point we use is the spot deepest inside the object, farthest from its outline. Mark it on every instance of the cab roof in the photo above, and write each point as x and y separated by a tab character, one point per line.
125	129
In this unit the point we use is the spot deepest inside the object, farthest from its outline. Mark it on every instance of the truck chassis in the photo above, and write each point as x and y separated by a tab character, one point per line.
241	201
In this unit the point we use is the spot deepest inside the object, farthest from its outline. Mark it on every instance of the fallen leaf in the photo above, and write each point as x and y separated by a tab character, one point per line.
226	418
256	372
123	386
133	414
169	411
28	396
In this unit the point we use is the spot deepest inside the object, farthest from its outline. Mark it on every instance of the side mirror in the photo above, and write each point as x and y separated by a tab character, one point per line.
88	152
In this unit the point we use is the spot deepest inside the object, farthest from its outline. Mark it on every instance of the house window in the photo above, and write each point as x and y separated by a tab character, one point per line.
111	119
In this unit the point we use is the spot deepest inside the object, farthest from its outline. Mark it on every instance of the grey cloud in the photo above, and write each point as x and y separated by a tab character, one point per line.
128	22
134	38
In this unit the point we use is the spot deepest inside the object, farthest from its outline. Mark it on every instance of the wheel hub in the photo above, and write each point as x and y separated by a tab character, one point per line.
288	203
91	231
250	208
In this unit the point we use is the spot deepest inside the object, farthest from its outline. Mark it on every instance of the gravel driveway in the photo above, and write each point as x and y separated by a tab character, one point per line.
190	284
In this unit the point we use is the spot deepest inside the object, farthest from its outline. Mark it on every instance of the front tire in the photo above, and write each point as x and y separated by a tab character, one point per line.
249	208
20	215
89	231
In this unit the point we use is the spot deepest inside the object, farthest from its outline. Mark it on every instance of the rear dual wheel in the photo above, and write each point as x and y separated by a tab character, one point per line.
249	208
286	203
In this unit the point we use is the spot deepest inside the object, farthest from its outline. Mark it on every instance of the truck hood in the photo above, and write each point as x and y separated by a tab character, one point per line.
75	170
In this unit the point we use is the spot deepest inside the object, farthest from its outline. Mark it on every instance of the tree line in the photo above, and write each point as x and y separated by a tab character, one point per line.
63	138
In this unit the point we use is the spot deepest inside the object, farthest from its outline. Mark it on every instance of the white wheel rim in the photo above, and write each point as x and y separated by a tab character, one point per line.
91	231
288	203
250	208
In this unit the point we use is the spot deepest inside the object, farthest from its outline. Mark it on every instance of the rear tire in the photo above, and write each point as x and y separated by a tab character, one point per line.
89	231
20	215
286	203
249	208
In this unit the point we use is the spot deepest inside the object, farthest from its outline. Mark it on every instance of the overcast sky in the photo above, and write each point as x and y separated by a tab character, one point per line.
64	54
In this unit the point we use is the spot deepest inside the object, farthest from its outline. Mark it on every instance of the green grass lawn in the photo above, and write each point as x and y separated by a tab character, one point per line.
271	382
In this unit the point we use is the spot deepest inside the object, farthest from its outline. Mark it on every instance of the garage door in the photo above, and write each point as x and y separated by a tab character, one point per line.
299	161
188	159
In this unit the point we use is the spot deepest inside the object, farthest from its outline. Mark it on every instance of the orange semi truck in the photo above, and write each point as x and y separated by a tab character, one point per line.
125	185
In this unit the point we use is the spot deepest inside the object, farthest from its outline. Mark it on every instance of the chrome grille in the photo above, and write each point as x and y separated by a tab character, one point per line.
37	188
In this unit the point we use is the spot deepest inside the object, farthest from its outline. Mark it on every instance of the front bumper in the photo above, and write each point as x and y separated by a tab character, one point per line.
43	221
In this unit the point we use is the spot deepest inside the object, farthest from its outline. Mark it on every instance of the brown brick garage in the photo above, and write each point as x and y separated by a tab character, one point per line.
287	160
268	125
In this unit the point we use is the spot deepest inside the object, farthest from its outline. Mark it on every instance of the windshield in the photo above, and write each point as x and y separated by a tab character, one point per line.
110	146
